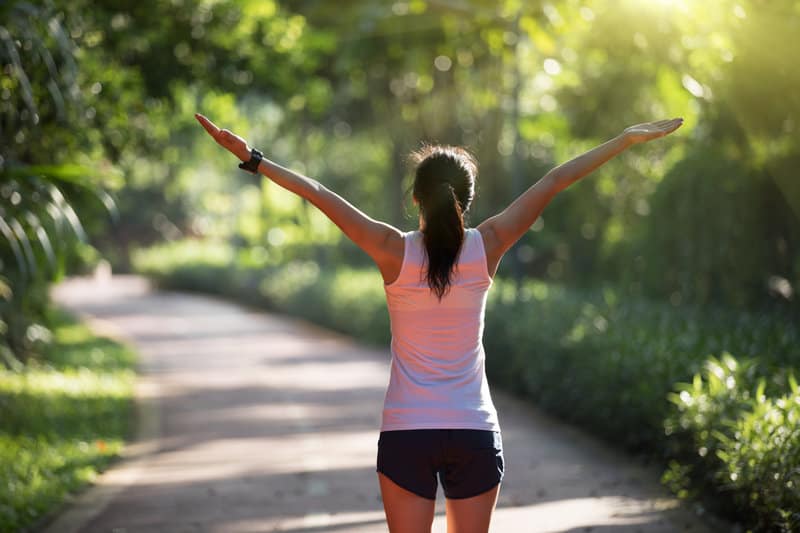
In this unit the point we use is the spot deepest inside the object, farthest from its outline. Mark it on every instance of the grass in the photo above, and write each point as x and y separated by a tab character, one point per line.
63	418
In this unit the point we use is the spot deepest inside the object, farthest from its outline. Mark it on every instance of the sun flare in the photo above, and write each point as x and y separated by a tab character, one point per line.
682	4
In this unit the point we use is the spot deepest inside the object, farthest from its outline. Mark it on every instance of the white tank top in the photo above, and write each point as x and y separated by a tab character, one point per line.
437	378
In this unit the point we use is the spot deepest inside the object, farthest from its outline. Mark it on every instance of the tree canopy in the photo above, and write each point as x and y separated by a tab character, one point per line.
97	134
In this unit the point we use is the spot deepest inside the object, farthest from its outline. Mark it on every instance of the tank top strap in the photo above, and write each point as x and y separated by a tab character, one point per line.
413	256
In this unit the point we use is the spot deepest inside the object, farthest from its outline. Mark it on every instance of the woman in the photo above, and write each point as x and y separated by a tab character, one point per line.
438	416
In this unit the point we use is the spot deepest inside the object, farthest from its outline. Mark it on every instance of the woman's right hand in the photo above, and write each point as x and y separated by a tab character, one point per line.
225	138
648	131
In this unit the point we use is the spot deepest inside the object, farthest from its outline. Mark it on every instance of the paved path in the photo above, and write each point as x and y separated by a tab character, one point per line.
256	422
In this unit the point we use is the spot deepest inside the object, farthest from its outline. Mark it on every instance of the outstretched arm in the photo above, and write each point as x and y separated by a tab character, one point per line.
369	234
501	231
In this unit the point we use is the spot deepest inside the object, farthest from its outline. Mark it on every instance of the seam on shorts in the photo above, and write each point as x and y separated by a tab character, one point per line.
473	495
401	485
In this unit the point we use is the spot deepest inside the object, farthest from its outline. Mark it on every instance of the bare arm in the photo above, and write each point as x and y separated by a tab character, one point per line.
369	234
501	231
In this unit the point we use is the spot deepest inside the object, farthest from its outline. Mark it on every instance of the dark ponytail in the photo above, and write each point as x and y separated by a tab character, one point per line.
444	186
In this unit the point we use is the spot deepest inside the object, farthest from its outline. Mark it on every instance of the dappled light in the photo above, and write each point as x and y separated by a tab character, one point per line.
654	302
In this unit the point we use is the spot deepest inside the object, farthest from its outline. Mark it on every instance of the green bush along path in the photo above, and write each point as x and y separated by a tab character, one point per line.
268	423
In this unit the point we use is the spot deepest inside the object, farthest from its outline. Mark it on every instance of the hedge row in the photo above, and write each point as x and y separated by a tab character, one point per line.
633	372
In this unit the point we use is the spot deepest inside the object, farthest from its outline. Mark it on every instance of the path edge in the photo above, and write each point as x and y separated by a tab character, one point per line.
80	507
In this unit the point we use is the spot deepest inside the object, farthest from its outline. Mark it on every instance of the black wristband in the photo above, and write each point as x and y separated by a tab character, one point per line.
251	165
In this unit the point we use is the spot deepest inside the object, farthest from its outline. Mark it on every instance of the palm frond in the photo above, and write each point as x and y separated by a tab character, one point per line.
11	238
69	213
25	244
44	239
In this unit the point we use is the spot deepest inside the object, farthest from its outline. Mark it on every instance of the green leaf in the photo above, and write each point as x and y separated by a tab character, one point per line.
22	236
44	240
762	385
68	211
77	174
8	233
793	383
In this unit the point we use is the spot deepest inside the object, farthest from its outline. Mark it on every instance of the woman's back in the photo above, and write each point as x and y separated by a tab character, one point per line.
437	375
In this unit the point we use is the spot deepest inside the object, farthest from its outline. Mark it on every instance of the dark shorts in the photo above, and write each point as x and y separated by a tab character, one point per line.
468	461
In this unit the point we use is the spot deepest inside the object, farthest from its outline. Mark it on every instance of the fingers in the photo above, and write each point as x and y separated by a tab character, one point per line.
674	124
209	126
667	126
668	123
224	137
227	138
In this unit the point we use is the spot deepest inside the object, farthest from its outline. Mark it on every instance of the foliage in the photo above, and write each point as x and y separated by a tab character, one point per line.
64	419
87	105
537	83
613	359
593	357
41	234
42	237
96	105
735	234
344	91
733	430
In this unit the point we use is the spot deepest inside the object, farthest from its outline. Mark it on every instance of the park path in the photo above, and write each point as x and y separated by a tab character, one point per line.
251	421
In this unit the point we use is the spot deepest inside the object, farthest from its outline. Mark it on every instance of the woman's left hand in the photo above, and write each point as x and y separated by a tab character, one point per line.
651	130
226	138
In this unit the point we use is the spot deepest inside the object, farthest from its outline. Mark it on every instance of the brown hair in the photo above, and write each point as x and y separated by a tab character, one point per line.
444	186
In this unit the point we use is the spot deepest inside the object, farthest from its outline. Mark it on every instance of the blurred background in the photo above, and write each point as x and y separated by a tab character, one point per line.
102	162
98	136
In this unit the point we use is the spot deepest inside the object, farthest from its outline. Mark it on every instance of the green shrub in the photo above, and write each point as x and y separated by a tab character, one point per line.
198	264
762	460
727	433
608	362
